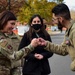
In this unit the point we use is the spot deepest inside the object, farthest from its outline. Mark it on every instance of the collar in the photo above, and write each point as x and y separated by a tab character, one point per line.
69	28
10	35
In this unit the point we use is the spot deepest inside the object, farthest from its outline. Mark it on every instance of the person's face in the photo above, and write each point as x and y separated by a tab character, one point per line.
9	26
36	24
54	19
36	20
58	20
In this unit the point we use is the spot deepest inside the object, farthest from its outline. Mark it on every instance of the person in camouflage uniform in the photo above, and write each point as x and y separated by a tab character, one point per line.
61	17
16	70
9	55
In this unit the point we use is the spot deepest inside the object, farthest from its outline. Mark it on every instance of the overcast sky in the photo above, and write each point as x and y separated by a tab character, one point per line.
70	3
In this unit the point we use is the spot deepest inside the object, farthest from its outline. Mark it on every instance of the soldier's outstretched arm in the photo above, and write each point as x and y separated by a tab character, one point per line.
58	49
7	50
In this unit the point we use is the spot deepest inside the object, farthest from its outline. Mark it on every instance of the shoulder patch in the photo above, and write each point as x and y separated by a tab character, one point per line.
3	42
5	45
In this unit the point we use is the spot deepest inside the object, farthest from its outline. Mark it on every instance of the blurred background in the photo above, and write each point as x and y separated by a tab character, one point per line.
24	9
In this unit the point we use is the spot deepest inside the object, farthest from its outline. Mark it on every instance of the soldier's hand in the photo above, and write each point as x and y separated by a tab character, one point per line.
42	42
38	41
35	42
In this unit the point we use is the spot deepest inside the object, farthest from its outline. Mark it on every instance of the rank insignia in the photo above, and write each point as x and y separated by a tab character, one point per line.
3	42
9	47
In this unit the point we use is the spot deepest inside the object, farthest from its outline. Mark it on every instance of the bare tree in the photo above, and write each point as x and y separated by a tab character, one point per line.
12	5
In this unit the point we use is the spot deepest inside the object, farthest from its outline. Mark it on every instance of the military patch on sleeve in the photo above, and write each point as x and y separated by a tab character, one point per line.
3	42
9	47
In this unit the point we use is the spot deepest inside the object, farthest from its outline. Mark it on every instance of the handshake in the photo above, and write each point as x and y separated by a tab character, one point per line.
38	42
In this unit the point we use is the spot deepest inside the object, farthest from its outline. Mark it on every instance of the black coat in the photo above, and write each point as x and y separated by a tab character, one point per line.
33	66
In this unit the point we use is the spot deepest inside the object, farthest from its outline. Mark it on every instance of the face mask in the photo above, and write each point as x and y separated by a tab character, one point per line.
36	26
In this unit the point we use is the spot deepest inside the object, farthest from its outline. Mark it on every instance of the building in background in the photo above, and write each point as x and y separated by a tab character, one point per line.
22	29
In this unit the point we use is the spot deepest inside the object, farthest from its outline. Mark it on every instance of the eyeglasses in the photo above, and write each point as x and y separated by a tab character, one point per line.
53	19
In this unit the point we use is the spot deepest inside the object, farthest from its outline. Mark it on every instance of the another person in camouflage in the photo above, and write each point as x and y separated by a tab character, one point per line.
16	70
62	17
9	44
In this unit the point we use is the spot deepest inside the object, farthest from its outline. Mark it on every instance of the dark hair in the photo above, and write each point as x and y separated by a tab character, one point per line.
62	10
31	31
6	16
34	16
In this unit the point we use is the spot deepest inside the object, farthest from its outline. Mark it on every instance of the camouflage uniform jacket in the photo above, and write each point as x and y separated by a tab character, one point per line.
68	45
9	53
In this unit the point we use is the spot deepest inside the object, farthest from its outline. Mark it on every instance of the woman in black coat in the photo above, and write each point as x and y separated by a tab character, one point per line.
36	63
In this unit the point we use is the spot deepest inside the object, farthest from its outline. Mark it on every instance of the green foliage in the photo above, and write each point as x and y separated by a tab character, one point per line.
31	7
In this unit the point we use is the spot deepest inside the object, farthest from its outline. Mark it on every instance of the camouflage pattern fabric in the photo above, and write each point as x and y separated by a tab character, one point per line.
9	56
